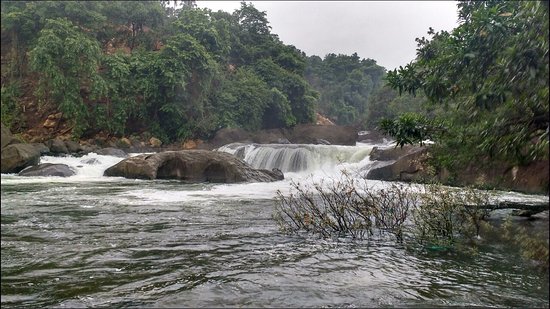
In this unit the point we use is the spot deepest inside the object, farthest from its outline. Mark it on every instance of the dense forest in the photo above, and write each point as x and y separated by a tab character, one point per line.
179	72
175	71
123	68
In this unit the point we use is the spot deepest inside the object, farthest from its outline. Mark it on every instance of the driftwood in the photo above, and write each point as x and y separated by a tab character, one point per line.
526	208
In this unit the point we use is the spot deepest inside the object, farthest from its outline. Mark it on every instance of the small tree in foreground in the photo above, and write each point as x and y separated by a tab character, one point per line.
347	207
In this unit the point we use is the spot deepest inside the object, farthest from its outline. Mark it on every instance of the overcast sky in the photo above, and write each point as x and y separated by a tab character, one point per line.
380	30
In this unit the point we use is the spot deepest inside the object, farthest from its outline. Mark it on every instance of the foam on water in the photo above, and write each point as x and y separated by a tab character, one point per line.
299	157
303	164
89	167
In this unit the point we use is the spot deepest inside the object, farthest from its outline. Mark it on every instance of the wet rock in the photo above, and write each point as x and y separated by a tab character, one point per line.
48	169
407	164
300	134
230	135
321	141
73	147
91	161
191	166
43	149
391	152
8	138
18	156
335	135
155	142
277	174
57	146
110	151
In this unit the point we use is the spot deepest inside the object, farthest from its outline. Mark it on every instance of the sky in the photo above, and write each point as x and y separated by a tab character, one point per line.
381	30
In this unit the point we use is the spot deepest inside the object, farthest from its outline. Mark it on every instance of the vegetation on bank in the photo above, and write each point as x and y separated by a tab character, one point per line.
488	82
123	68
177	73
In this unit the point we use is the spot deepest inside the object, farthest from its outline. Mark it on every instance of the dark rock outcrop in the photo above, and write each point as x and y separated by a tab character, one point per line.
310	134
411	164
57	146
399	164
372	137
7	138
110	151
73	147
43	149
48	169
300	134
230	135
191	166
90	161
16	157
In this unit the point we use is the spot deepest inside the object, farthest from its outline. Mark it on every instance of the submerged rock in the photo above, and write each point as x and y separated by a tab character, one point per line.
191	166
91	161
48	169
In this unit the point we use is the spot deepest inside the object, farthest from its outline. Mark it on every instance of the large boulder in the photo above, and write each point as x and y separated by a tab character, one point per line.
18	156
391	153
300	134
57	146
41	147
73	147
191	166
399	164
48	169
8	138
230	135
312	134
110	151
411	163
529	178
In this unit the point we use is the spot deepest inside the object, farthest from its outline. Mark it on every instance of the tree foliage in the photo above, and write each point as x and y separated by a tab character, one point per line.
346	85
491	75
68	61
177	72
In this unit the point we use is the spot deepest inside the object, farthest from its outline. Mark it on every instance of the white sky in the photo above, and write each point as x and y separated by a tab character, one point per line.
380	30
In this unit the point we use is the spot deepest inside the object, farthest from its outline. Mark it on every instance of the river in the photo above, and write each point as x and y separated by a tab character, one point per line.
94	241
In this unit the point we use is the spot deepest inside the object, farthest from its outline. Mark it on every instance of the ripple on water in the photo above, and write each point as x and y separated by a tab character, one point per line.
169	244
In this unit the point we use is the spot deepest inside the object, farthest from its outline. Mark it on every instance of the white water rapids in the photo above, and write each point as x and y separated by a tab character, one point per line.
300	163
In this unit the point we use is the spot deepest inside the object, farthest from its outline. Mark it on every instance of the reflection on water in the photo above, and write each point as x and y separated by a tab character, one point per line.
128	243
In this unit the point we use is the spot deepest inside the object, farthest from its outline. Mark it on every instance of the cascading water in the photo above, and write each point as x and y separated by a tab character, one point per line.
299	158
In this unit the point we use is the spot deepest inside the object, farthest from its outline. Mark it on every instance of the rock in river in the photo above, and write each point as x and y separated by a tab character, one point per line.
191	166
48	169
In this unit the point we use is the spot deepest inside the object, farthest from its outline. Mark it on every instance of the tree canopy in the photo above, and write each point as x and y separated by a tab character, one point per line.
491	76
175	71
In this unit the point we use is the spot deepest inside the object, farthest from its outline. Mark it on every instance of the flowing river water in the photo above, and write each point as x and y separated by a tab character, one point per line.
94	241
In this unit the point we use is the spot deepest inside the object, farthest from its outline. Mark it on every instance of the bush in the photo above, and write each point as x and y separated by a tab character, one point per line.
345	207
444	214
10	109
432	215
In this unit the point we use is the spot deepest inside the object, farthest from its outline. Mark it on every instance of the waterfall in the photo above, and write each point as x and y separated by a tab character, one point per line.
298	157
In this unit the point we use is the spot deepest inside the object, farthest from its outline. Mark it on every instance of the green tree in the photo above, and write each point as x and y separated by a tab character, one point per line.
346	85
491	74
67	61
